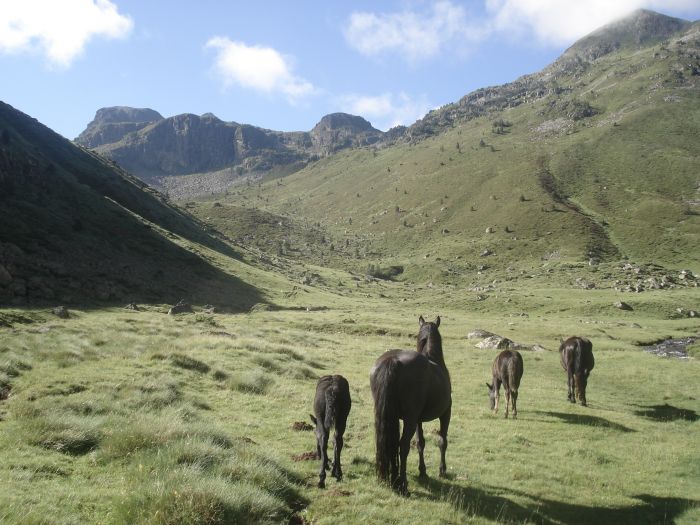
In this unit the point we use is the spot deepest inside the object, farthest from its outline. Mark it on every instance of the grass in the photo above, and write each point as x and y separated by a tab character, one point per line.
167	421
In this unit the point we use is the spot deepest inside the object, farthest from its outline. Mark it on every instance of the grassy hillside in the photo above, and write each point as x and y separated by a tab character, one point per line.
76	229
604	166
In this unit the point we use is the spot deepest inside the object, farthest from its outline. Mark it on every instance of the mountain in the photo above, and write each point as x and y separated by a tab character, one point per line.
153	147
74	228
640	29
594	158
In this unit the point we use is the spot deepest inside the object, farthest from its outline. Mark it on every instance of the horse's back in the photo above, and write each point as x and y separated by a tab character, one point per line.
419	382
508	367
574	347
335	388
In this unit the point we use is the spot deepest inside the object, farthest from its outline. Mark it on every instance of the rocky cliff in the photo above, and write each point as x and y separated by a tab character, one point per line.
153	147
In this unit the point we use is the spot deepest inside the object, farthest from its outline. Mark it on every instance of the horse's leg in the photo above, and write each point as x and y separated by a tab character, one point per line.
444	426
572	394
409	428
421	448
507	394
582	391
514	396
497	388
337	449
323	445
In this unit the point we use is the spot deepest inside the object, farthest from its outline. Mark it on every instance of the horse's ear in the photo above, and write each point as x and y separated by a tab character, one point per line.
489	386
421	321
313	419
437	321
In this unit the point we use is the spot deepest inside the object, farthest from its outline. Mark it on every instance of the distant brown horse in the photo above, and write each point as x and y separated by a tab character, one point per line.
576	355
332	406
507	369
414	387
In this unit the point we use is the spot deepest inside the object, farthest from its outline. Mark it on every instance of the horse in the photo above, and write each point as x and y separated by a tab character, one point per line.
507	369
414	387
332	406
576	355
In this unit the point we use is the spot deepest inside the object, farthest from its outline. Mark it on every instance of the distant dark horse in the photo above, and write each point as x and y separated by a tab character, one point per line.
414	387
332	406
577	359
507	369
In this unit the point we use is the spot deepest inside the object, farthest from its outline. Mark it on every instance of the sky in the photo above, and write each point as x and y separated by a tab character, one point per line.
282	65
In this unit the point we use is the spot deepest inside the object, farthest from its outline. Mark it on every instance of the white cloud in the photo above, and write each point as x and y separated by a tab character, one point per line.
59	29
386	110
419	35
561	22
258	68
413	35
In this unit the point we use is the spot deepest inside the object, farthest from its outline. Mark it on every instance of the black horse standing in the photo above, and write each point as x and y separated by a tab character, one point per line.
576	355
414	387
507	370
332	406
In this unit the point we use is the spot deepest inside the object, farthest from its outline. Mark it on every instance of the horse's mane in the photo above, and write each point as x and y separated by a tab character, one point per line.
434	353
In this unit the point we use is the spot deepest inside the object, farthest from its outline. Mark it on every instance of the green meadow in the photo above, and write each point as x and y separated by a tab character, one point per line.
118	416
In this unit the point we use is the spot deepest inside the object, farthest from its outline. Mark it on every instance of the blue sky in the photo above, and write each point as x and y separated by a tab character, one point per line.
278	64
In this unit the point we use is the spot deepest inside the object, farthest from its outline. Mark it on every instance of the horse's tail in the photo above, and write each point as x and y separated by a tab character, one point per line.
578	353
331	405
386	418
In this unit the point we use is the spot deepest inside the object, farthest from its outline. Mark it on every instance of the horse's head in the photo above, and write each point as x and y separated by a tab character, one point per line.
428	335
492	395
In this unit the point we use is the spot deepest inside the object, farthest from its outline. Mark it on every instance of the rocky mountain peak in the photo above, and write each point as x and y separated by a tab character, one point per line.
639	29
125	114
336	121
113	123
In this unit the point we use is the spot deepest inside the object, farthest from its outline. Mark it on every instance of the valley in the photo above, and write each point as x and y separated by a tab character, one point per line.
563	203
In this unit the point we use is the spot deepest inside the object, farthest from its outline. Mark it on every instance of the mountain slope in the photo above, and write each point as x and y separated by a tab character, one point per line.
595	159
74	228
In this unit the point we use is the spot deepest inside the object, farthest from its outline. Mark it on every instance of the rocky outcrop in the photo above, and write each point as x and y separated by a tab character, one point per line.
151	147
340	130
112	124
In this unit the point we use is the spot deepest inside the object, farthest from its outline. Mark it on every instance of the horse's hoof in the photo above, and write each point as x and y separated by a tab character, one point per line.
322	484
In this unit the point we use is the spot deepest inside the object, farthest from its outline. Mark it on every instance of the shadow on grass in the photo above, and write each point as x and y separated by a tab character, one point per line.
666	412
588	420
476	501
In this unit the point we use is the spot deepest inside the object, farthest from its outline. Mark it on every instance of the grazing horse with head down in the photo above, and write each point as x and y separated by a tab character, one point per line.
332	406
576	355
507	370
414	387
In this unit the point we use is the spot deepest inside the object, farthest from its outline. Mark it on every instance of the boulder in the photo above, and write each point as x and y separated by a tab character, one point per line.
495	342
132	306
479	334
61	311
623	306
180	308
